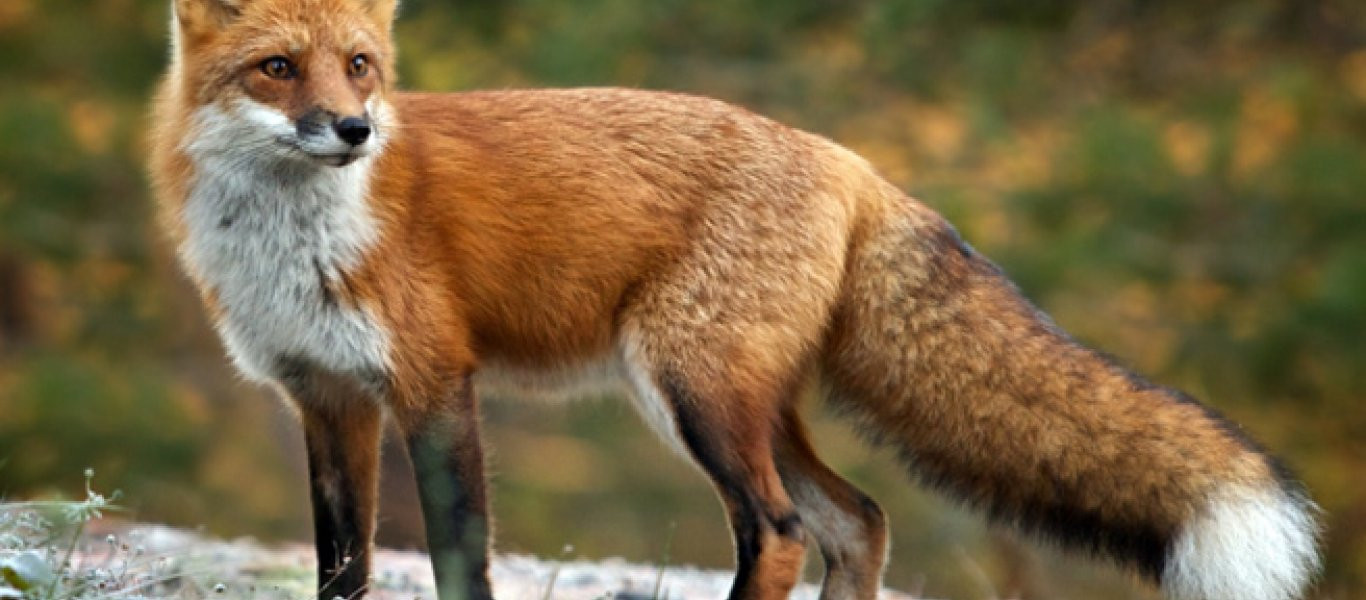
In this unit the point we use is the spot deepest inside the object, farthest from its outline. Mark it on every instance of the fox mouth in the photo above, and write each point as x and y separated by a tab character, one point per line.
336	160
331	159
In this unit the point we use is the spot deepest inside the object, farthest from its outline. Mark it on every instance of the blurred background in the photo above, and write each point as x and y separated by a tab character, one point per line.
1181	184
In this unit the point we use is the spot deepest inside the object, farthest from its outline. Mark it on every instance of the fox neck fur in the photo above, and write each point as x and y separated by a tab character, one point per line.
273	243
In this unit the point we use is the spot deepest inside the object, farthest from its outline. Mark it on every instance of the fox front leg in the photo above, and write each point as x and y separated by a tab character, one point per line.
343	468
448	461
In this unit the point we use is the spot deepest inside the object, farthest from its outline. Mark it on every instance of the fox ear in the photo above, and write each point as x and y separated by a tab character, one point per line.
382	11
204	17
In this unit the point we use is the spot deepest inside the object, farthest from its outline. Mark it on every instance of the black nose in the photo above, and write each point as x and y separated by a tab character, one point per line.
353	130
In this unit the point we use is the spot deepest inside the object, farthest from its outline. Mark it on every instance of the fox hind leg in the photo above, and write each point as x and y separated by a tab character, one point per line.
730	438
737	456
849	527
715	343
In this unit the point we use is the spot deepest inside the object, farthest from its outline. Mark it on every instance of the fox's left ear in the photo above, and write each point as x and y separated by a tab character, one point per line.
206	17
382	11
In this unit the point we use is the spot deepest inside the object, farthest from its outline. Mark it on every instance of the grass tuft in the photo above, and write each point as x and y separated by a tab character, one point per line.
46	554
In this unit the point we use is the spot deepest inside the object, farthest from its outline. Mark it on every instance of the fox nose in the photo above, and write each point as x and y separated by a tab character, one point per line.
353	130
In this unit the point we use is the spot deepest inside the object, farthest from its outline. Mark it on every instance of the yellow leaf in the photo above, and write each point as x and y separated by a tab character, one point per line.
1265	124
1353	73
1188	146
91	124
14	13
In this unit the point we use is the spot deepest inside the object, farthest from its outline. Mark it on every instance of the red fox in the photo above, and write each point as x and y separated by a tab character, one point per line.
379	254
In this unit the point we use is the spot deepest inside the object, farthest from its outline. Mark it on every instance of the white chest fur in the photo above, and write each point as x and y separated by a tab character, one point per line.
268	238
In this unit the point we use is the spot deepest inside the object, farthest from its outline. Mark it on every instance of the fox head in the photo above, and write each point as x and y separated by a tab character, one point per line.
301	80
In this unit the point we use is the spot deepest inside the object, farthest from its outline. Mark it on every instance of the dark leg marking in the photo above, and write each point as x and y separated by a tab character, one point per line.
448	462
342	429
751	515
337	528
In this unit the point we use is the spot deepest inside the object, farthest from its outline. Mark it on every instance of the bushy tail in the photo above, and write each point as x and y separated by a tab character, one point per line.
941	359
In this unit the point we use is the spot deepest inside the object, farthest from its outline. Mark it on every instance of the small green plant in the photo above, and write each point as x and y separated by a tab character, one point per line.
555	571
664	564
37	540
46	554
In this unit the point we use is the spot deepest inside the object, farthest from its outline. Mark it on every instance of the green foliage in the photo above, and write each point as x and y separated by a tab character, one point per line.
47	552
37	544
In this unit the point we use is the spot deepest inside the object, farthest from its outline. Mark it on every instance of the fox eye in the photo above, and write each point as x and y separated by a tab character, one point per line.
359	65
278	67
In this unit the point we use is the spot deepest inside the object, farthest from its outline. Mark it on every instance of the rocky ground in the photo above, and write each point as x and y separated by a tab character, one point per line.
185	564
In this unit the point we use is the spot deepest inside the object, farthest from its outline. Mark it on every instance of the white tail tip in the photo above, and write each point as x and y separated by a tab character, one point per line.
1246	544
